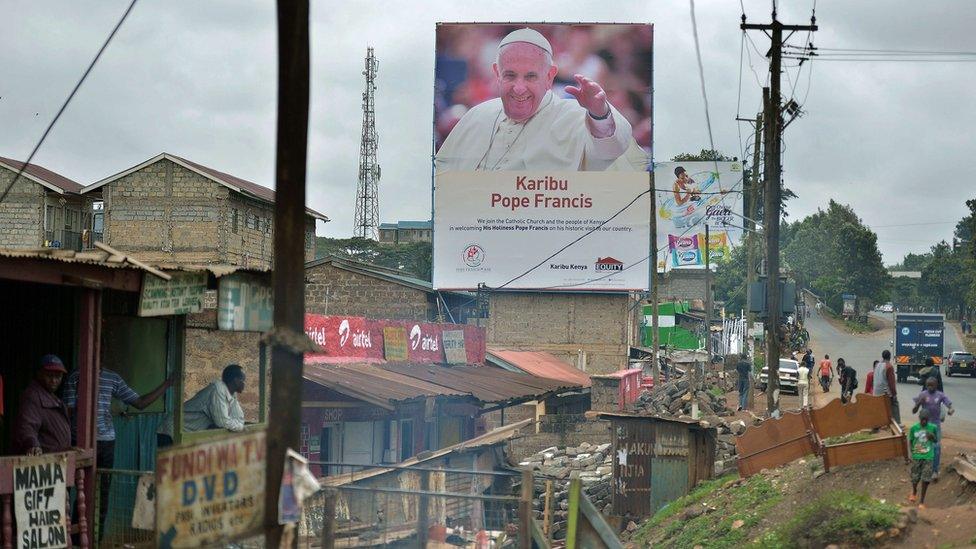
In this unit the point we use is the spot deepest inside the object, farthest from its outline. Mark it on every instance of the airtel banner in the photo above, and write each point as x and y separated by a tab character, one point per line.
358	337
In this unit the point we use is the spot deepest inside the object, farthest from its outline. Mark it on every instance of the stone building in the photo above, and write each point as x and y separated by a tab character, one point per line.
342	286
404	232
592	331
43	209
171	210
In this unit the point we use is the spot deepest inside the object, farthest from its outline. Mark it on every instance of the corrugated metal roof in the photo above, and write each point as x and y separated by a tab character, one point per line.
115	261
374	384
43	174
89	257
234	183
486	383
541	364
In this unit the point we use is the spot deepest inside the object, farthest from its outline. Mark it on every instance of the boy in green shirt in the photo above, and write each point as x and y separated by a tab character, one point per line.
922	438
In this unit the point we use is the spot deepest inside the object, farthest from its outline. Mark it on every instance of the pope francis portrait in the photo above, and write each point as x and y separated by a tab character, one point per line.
528	128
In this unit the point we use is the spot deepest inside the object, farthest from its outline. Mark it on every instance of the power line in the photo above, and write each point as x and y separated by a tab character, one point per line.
701	74
885	52
882	59
581	237
67	101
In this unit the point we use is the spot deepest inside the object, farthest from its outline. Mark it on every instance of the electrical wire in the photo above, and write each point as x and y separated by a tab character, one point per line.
701	74
67	101
893	60
581	237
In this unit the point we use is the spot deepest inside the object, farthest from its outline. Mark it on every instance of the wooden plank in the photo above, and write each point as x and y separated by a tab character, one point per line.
775	456
772	432
865	412
863	451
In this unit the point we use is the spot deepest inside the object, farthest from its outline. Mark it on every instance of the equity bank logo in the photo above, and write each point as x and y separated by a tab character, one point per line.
608	264
473	255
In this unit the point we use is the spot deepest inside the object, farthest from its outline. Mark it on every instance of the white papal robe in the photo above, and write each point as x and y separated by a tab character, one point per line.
556	138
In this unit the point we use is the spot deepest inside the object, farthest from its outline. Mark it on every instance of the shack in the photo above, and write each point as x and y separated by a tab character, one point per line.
656	460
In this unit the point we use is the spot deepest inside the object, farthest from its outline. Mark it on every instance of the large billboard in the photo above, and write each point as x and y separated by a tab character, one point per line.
690	197
542	140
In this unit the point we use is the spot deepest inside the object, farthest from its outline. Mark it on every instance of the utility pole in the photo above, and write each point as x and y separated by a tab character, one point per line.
772	138
751	238
708	295
287	279
653	286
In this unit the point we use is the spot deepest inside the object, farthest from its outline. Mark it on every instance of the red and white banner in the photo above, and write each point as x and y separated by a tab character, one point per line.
358	337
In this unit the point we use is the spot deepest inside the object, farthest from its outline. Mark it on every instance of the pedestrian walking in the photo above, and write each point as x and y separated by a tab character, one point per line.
808	360
848	380
884	383
826	373
869	379
922	438
930	371
803	384
931	399
744	369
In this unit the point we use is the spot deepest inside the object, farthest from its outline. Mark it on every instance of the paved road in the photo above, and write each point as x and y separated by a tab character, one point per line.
860	351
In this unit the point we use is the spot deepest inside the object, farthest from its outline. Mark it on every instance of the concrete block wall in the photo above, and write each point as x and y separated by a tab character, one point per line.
208	350
563	324
166	213
21	213
333	291
682	285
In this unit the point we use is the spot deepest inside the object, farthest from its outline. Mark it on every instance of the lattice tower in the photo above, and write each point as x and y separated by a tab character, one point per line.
367	192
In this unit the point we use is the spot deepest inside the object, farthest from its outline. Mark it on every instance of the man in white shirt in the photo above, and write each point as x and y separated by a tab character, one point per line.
528	128
213	407
803	384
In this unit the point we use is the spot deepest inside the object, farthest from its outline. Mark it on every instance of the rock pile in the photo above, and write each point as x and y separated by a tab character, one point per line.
674	399
595	467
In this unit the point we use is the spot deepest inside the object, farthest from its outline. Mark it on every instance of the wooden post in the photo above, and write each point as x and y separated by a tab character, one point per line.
525	510
547	509
288	276
572	520
328	519
423	509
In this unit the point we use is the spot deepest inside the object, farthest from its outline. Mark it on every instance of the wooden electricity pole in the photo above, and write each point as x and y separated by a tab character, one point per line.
772	139
284	413
653	287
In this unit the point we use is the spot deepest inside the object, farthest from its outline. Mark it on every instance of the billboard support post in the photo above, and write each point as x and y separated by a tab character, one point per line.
708	294
751	236
652	283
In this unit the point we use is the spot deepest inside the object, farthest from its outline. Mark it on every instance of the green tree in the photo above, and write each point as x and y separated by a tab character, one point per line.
729	281
413	258
834	253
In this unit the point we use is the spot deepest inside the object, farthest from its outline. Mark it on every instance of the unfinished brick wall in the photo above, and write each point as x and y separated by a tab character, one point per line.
682	285
167	213
21	212
334	291
208	350
562	324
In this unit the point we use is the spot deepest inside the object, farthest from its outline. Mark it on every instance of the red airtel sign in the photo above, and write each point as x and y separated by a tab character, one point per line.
358	337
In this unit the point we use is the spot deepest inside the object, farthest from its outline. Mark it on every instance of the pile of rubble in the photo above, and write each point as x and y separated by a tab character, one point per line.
595	467
676	399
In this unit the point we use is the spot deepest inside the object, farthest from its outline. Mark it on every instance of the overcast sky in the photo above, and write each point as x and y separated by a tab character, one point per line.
198	79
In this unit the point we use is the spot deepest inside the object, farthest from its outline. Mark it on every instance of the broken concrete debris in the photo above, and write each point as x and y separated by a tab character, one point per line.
594	465
674	399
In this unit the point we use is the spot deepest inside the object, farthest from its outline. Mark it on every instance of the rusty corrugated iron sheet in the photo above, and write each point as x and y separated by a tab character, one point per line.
541	364
373	384
33	171
486	383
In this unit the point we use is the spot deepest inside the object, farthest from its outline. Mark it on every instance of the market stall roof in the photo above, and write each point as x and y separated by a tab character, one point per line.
539	364
370	383
487	384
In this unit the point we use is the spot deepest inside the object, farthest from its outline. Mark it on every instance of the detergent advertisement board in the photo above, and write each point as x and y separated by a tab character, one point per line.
690	197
